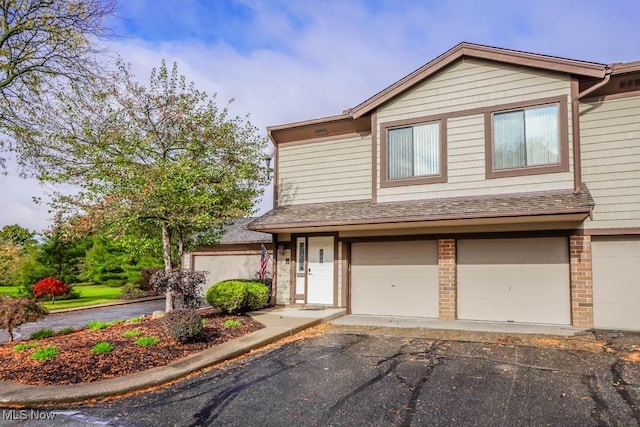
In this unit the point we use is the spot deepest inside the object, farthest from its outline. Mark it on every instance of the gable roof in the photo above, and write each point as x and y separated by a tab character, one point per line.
353	120
237	232
515	57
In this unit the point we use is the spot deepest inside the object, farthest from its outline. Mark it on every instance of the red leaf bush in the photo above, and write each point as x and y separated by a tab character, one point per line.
50	287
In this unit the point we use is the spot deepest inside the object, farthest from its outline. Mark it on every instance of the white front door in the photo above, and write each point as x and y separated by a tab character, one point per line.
320	270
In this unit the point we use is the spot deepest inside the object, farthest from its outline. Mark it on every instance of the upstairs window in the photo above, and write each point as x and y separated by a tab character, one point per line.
413	154
527	140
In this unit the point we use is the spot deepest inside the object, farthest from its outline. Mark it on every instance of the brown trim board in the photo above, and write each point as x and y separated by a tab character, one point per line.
276	167
575	134
611	97
457	236
374	157
622	231
313	130
274	271
346	276
335	270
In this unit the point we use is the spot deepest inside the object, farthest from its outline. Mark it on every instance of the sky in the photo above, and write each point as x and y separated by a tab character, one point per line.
283	60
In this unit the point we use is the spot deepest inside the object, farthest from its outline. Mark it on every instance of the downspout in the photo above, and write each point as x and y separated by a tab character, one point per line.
607	77
575	113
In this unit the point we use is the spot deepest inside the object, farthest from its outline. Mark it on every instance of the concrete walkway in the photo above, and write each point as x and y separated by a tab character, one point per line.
460	325
279	323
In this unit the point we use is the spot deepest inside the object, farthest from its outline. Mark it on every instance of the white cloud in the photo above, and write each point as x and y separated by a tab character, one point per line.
300	60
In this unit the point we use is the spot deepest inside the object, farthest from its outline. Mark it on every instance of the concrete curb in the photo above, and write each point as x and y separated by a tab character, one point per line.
276	326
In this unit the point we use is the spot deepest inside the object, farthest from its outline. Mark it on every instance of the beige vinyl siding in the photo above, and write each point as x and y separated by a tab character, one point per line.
468	84
325	171
610	149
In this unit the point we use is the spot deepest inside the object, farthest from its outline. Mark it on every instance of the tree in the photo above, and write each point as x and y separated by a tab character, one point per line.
44	44
157	159
51	287
15	244
16	311
17	235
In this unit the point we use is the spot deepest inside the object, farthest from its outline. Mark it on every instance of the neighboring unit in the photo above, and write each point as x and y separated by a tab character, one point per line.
489	184
237	256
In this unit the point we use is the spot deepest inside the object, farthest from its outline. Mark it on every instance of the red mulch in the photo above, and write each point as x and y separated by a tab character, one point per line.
76	363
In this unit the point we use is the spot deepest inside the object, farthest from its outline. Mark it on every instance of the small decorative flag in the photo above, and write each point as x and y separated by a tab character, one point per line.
264	259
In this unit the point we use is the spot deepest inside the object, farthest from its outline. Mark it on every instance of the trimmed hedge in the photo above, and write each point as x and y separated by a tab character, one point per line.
257	296
228	297
238	296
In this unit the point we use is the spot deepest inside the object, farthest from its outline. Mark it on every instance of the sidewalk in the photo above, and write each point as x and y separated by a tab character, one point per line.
279	323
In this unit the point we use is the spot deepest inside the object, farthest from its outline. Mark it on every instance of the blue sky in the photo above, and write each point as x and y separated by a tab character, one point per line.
289	60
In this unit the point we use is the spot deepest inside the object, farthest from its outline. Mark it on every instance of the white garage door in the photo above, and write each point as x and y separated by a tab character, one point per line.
616	282
519	280
395	278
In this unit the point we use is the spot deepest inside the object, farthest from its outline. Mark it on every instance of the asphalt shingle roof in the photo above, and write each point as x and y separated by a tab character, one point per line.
237	232
366	212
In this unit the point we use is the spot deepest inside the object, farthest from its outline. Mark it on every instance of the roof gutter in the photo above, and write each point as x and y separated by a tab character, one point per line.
605	80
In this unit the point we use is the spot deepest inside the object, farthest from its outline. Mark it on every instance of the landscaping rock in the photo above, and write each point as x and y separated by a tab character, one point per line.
158	314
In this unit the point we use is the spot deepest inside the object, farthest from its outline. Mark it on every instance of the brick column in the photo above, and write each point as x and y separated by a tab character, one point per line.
447	279
581	281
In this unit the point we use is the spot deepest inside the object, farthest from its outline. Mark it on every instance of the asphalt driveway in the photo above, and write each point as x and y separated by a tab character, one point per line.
351	378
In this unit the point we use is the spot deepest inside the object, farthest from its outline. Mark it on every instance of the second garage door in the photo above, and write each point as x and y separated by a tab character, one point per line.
519	280
395	278
616	282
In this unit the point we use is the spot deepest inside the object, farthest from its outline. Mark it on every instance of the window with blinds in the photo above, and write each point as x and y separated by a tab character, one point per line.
527	137
413	151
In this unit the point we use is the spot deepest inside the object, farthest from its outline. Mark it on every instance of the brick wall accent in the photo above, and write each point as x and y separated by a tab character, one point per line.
581	281
447	279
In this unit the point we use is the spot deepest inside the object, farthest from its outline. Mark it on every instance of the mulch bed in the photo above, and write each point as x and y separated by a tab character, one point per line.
76	363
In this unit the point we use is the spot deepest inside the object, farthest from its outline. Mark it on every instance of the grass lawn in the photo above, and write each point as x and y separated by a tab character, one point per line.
89	295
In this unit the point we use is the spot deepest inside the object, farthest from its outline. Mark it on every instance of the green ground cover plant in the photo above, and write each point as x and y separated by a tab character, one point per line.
145	341
131	334
25	346
231	323
102	347
42	334
45	353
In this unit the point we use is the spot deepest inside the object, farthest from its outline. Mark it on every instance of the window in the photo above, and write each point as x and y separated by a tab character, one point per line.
412	152
527	140
301	253
321	256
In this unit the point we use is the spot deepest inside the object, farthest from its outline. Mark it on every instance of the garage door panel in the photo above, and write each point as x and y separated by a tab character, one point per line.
395	278
520	280
616	282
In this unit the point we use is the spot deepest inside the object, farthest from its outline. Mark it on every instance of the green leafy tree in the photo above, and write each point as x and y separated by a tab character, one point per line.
160	159
16	244
10	255
45	44
110	263
63	257
17	235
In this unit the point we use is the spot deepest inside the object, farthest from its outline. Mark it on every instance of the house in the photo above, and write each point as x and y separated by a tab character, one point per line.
236	256
489	184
